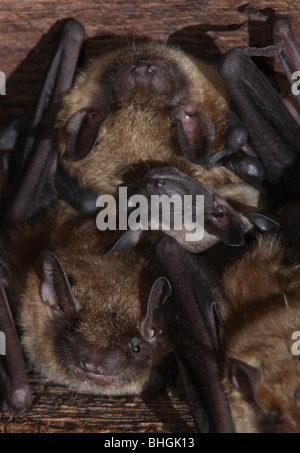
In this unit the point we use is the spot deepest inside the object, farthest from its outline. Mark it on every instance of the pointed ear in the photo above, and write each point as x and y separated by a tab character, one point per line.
55	290
264	222
223	221
195	132
153	324
128	240
246	380
83	130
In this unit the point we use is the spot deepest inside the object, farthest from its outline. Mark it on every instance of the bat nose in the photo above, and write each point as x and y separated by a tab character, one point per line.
165	173
96	362
90	365
163	180
143	68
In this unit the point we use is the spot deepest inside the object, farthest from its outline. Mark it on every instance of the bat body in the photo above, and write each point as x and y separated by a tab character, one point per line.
83	316
262	372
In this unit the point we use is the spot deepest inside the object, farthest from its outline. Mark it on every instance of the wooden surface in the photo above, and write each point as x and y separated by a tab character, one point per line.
55	409
206	28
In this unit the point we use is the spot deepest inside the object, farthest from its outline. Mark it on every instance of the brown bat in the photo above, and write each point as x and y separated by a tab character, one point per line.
262	372
234	326
143	106
89	321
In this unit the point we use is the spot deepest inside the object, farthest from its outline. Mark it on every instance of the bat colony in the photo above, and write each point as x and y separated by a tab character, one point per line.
117	312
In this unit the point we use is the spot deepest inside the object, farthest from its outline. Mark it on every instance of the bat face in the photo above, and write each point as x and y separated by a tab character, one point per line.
219	219
93	322
263	366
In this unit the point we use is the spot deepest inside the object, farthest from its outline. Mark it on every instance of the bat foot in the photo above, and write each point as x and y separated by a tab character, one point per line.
19	397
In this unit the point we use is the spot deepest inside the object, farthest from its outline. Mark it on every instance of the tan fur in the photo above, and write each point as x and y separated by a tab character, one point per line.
265	297
112	292
141	134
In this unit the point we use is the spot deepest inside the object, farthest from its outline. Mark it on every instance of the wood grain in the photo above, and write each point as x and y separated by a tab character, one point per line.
206	28
56	409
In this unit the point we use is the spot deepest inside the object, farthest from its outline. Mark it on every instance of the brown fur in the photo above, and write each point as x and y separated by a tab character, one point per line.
265	297
140	134
112	292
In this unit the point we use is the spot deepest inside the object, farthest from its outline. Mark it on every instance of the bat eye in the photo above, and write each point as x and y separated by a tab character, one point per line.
136	348
218	215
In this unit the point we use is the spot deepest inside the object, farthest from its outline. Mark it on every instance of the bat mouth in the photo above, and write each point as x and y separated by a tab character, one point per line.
89	377
99	379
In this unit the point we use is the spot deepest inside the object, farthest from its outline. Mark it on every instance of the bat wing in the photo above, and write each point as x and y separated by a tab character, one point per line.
273	131
35	145
36	176
193	321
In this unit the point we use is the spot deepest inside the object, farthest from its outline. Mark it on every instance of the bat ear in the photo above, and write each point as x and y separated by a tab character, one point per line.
222	220
153	324
55	290
128	240
264	222
83	130
246	380
195	132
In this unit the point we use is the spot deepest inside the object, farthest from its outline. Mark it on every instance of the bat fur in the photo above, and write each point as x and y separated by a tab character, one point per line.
105	326
263	386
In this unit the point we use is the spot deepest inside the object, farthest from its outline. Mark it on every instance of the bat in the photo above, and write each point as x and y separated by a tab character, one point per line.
232	324
263	390
88	321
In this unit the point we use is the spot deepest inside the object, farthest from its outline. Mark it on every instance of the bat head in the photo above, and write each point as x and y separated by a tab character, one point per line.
102	336
176	217
267	395
126	95
219	218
